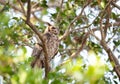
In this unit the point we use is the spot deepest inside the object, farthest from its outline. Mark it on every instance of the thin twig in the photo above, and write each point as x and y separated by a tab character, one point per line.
67	32
40	20
94	36
36	10
14	7
82	45
58	15
102	14
80	48
111	38
81	28
84	40
106	8
115	5
21	4
35	5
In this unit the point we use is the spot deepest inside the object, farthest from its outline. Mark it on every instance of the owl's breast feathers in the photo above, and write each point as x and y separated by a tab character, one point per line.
52	43
47	36
36	50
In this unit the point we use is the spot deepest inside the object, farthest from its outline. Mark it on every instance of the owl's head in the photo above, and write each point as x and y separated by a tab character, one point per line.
52	30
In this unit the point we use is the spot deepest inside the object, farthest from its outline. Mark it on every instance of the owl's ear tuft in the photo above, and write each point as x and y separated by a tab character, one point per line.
48	24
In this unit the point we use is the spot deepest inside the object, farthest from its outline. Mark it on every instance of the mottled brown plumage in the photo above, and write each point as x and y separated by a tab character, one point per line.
50	37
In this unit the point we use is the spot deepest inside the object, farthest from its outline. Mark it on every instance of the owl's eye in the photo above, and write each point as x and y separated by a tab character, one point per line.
53	28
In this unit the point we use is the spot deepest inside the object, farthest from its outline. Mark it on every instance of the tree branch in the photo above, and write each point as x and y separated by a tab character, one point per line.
83	44
34	29
21	4
115	5
28	10
112	58
67	32
81	47
102	14
84	40
58	15
43	46
40	37
40	20
14	7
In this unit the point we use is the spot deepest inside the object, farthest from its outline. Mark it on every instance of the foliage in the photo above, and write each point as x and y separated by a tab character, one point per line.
90	66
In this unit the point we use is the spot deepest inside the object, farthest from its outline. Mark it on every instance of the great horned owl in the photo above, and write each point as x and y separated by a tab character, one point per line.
50	37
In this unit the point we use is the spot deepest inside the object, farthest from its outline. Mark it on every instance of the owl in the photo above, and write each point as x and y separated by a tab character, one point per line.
50	37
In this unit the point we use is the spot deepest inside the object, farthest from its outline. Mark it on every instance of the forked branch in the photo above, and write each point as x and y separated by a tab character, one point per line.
40	37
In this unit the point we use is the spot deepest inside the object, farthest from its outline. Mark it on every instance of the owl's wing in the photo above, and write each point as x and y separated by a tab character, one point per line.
37	50
56	49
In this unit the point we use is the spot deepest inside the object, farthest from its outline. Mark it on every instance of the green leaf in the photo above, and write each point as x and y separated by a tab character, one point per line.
102	4
43	3
4	18
117	43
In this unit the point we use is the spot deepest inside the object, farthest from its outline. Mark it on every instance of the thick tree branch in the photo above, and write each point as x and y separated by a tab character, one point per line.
43	46
28	10
40	37
34	29
113	59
